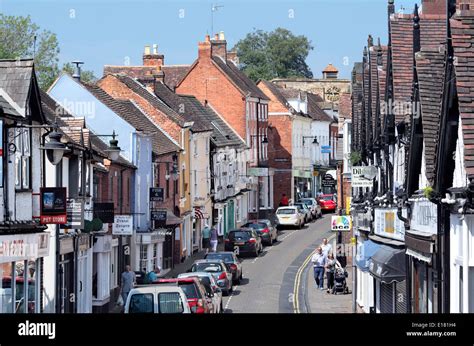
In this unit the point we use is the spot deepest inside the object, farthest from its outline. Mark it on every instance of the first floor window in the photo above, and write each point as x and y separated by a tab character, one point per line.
22	158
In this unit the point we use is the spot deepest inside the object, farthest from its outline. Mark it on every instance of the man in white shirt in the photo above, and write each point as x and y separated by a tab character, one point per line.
319	262
326	247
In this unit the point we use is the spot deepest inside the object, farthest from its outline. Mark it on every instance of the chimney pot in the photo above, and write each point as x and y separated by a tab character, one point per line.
216	37
208	38
221	36
155	49
147	50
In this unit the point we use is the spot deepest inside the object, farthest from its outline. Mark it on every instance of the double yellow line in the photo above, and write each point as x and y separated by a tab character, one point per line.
296	288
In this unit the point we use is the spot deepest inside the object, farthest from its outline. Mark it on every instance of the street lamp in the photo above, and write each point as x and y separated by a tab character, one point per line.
113	152
55	149
314	142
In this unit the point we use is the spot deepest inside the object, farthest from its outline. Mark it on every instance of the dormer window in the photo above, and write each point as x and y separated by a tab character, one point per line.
22	158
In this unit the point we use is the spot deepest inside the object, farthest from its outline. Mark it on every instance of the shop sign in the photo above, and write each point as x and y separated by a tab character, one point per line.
123	225
75	214
363	176
328	181
387	224
66	245
84	242
104	212
424	217
20	247
53	205
258	171
159	217
156	194
341	223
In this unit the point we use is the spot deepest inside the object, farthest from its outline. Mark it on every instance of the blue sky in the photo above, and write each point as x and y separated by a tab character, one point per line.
114	32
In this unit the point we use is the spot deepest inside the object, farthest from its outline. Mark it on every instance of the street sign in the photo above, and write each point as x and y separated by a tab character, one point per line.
341	223
362	176
156	194
159	217
104	212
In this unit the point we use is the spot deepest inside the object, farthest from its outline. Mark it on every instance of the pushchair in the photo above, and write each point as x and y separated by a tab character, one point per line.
340	284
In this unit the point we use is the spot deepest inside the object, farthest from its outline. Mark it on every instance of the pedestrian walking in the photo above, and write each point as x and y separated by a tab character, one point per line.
319	262
214	239
206	237
128	281
330	270
326	247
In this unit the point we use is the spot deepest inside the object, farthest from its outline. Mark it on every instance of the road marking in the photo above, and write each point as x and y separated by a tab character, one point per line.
230	297
296	305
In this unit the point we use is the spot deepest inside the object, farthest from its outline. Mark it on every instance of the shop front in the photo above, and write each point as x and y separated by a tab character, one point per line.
388	264
149	250
302	183
420	242
21	271
101	268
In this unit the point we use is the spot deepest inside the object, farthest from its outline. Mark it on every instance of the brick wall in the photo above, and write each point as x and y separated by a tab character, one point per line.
206	82
118	90
163	167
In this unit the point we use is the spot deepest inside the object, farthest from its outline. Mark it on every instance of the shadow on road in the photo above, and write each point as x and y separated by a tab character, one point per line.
244	281
235	292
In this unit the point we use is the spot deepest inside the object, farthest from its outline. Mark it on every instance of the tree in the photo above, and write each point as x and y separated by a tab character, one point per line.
17	40
86	75
275	54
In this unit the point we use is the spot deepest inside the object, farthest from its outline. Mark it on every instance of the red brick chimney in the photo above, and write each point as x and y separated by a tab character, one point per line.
204	48
219	46
434	7
153	58
232	56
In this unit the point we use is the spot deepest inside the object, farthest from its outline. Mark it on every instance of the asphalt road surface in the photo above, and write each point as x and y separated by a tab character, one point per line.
268	284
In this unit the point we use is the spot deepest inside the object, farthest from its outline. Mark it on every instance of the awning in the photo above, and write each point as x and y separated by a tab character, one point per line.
172	219
388	264
364	253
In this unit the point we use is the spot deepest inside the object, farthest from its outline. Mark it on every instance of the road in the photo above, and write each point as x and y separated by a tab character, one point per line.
268	285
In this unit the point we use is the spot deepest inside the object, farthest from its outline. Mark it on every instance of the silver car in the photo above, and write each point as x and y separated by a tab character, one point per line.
304	209
208	281
314	206
218	269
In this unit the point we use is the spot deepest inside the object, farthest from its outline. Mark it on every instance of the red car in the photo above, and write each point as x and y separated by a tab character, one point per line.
327	203
199	301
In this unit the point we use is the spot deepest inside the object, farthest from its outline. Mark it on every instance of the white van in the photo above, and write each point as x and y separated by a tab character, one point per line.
159	299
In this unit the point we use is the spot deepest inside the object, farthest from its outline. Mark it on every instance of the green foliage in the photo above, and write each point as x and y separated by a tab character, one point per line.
275	54
86	75
428	192
17	35
355	157
93	226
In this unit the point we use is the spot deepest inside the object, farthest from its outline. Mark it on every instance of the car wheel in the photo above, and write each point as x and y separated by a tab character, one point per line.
241	276
221	308
256	252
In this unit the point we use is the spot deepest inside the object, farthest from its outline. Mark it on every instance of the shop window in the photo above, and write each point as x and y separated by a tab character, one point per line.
24	289
143	257
6	301
154	259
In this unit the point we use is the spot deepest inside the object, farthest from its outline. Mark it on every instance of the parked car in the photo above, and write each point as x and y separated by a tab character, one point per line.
289	216
245	240
327	203
231	261
265	230
199	301
305	210
210	284
314	206
157	300
218	269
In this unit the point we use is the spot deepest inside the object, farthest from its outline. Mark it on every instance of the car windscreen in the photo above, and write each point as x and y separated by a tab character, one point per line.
226	257
255	226
206	282
327	198
288	211
240	234
301	205
170	303
207	267
189	289
308	201
141	304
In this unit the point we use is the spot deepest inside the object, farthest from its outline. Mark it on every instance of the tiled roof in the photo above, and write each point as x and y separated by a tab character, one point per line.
330	68
314	111
128	111
277	91
402	60
222	135
244	83
462	28
374	88
174	74
430	66
184	105
382	82
140	90
357	109
15	79
6	108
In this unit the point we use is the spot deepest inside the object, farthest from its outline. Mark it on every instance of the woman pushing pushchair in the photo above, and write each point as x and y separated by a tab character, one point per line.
336	276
